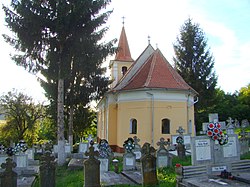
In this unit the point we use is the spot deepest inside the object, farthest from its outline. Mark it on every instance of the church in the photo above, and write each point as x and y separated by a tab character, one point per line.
147	99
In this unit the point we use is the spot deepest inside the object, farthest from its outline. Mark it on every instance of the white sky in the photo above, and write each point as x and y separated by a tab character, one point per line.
226	24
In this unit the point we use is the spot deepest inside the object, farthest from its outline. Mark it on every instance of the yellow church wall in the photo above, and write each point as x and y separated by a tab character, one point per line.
112	127
141	111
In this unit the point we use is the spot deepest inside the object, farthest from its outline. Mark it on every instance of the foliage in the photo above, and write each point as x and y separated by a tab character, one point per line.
234	105
195	64
22	117
62	40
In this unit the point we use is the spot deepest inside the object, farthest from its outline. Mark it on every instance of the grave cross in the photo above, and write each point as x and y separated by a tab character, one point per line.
162	143
180	130
213	118
147	149
92	153
136	140
8	165
230	126
47	160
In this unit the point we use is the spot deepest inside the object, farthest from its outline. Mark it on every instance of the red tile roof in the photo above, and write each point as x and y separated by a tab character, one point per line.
123	53
156	72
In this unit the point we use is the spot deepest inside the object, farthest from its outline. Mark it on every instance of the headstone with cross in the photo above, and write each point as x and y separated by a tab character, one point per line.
137	149
181	150
212	119
8	177
230	126
89	139
244	139
148	160
47	170
129	158
163	158
92	168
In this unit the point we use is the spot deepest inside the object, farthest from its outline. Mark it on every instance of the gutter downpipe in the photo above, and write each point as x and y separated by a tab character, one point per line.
152	117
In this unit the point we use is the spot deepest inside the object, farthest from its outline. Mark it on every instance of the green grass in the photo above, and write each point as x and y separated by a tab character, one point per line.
166	175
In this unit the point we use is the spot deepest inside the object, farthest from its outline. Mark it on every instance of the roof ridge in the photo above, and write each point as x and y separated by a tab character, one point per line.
151	70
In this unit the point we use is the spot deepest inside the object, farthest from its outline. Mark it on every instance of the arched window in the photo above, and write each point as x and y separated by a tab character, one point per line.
133	126
165	126
124	70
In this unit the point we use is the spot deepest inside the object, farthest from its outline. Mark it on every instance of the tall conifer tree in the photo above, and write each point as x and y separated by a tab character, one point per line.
194	62
61	39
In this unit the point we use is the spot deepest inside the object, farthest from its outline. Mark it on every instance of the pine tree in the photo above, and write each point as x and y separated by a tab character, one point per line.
194	62
61	39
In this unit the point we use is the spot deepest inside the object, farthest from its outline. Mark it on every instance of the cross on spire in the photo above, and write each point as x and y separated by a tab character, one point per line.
123	18
148	39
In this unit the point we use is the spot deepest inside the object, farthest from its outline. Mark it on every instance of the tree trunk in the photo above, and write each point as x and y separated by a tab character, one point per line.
71	127
60	123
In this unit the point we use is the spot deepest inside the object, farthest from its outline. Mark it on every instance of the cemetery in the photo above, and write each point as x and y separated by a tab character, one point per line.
143	130
216	157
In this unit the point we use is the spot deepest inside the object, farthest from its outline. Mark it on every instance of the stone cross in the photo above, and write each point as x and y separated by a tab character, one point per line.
230	126
213	118
147	149
162	143
92	153
180	130
8	165
136	140
8	177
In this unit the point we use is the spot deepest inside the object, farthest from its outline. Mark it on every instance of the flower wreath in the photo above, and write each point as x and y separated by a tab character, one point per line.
129	145
214	131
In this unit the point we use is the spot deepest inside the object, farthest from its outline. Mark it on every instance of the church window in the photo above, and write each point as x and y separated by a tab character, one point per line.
124	70
165	126
133	126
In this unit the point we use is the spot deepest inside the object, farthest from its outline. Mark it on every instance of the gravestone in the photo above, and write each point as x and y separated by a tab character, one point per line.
30	153
47	170
216	150
92	168
244	140
89	139
137	149
83	147
8	177
181	150
163	158
105	155
148	160
67	150
129	158
213	118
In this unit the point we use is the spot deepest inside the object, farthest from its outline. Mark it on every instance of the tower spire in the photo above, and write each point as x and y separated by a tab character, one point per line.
123	18
123	53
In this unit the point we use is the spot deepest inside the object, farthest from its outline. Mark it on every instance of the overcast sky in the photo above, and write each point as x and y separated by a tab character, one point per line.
226	24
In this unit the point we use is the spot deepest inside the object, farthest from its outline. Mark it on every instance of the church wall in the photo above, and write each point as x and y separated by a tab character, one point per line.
176	112
112	131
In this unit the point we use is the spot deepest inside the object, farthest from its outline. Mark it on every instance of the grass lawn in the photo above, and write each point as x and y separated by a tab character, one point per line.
166	176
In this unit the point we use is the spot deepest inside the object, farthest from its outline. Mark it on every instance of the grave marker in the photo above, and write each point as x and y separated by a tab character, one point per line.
149	175
47	170
105	155
163	158
129	158
137	149
8	177
92	168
